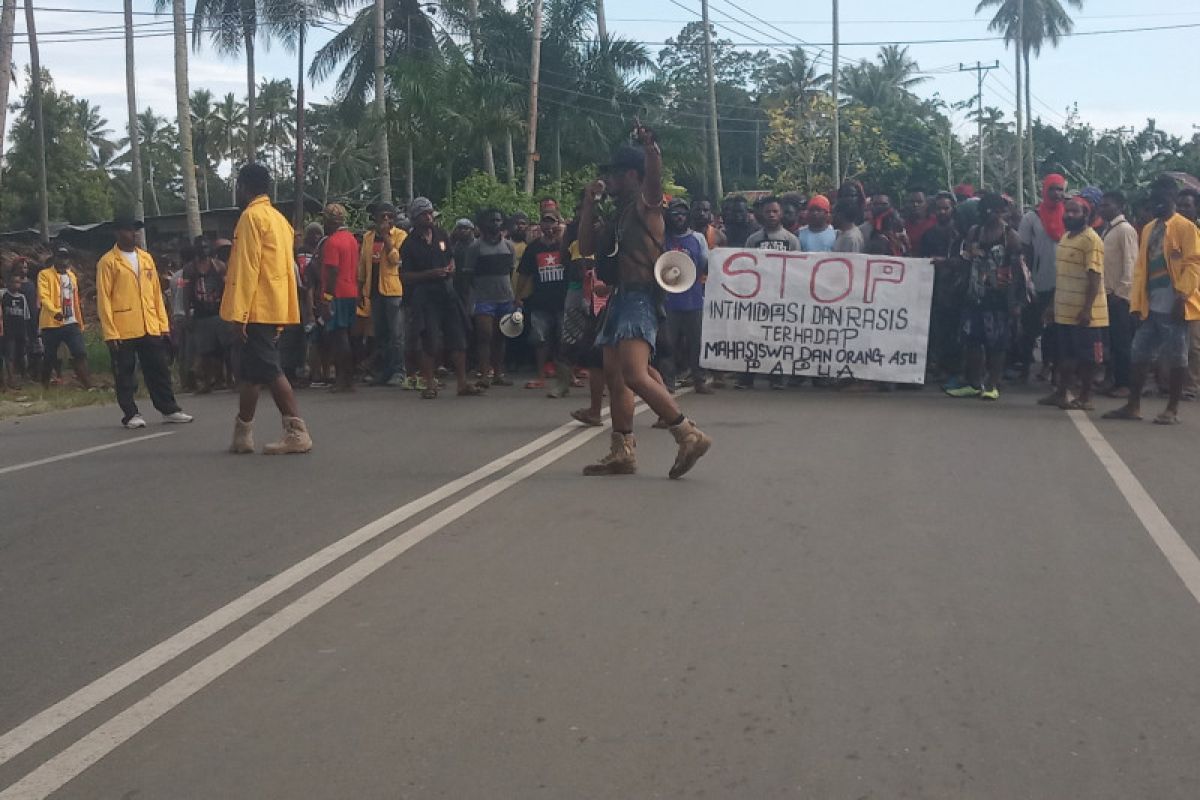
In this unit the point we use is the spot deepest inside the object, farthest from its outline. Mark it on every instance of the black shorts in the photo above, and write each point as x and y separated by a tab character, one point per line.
70	335
435	323
258	356
210	336
1081	344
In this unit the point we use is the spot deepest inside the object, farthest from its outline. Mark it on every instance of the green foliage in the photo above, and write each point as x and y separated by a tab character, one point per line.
482	191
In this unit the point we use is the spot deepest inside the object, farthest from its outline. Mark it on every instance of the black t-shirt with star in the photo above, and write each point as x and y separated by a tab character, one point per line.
545	263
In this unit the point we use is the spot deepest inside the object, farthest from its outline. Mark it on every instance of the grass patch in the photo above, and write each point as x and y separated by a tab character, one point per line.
33	399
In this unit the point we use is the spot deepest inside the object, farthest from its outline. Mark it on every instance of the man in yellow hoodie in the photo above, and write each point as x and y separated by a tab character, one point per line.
379	282
133	318
61	317
261	297
1166	296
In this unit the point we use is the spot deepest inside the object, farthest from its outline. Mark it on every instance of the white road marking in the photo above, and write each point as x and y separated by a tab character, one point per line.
1181	557
55	773
83	700
85	451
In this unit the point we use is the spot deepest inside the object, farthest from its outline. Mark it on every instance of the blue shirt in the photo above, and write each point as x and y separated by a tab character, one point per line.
694	245
814	242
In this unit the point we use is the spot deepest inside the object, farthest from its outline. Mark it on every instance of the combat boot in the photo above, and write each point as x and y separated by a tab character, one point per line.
621	459
692	442
295	439
243	437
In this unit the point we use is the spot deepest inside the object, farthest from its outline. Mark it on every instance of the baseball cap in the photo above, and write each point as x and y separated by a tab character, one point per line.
625	158
463	222
678	203
819	201
128	223
61	251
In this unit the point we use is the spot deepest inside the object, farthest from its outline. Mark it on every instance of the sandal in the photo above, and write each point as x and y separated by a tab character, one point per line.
429	393
1078	405
536	383
1167	418
1123	412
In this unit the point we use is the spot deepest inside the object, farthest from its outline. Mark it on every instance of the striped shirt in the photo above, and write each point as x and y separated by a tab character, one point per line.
1078	256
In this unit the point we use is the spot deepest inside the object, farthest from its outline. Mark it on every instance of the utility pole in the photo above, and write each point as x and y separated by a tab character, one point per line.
8	22
979	69
535	66
39	139
601	24
1120	132
135	148
714	134
381	137
1020	130
833	88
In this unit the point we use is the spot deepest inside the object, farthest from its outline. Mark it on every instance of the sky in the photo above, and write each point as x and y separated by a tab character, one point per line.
1110	76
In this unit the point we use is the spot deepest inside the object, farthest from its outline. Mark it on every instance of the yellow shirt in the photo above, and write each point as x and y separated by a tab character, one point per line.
1077	258
389	262
130	305
260	284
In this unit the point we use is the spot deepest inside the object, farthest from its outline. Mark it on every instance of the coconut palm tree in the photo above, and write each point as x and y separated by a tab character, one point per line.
152	131
232	27
275	129
39	120
1044	21
135	155
230	131
794	79
95	133
205	124
187	164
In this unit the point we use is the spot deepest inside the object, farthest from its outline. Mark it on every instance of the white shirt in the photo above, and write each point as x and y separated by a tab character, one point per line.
1120	253
68	298
132	260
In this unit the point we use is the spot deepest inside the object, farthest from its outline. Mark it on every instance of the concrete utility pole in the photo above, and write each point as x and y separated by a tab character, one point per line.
1020	130
535	66
833	89
979	69
601	25
135	146
714	133
8	22
39	140
1120	132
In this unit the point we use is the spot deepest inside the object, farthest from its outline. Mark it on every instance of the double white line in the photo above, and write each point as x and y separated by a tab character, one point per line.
60	769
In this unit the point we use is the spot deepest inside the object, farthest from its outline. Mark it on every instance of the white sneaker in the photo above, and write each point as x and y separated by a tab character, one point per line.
135	422
177	417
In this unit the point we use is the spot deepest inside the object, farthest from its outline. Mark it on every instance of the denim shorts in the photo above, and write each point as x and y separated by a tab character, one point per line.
1161	337
545	327
496	310
631	314
342	313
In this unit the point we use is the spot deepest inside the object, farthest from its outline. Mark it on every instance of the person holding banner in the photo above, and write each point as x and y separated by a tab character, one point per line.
634	180
998	288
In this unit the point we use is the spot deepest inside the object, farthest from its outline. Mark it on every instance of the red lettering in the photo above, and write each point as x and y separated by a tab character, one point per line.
812	283
727	268
881	270
786	258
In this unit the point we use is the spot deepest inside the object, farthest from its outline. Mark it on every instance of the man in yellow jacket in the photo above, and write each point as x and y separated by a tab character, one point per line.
1166	296
261	297
379	282
61	317
133	319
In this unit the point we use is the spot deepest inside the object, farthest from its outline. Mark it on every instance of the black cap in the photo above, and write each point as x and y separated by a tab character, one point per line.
61	251
678	202
385	208
128	224
627	157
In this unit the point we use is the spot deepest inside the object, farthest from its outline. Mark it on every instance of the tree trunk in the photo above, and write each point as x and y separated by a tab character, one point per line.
251	133
204	180
510	159
408	169
153	188
601	25
232	171
187	163
328	177
39	139
449	178
8	21
557	153
135	145
298	211
385	170
531	154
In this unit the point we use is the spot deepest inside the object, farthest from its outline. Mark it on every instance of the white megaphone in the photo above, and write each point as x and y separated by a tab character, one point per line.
512	324
675	271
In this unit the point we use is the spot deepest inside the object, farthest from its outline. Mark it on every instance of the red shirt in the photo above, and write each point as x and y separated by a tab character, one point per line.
341	254
917	230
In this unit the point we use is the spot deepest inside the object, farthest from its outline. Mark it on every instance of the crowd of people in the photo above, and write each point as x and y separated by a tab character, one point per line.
1095	300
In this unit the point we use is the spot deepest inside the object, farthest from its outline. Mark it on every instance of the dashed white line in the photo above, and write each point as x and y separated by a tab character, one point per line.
85	451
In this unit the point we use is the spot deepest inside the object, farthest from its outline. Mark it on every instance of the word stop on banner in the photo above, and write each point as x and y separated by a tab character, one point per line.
828	315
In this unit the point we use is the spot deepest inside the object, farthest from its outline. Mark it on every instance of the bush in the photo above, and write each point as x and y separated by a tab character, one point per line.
483	191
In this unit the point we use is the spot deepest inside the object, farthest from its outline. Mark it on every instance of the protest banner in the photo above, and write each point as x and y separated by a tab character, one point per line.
830	315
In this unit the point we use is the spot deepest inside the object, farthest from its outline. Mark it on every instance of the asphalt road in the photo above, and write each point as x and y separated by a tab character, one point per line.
869	596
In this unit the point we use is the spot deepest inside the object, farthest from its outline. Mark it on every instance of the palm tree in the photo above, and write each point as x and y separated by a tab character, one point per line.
8	21
1043	21
187	164
139	202
341	159
151	130
794	79
205	124
39	121
881	84
95	133
276	129
229	131
232	27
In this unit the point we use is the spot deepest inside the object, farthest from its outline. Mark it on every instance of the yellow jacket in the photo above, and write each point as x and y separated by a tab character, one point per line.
260	284
50	298
389	278
1181	246
130	306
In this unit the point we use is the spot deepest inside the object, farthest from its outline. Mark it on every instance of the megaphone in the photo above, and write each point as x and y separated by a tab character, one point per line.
512	324
675	271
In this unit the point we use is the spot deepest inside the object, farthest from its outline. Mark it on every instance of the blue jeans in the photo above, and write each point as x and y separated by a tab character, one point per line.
387	315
